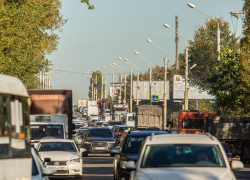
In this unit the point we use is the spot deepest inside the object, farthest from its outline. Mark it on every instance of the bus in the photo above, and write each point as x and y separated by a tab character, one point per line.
189	122
15	146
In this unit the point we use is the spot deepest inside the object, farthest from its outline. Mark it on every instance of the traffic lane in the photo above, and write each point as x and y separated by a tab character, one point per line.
96	166
243	174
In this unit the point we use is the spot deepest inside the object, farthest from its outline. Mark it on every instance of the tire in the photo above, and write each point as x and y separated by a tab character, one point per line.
84	154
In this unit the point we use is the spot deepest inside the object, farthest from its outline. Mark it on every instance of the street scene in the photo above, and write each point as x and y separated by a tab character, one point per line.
125	90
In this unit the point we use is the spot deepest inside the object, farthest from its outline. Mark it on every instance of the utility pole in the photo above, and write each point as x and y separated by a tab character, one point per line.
92	90
131	79
137	87
177	44
105	90
165	94
125	83
96	86
186	80
102	89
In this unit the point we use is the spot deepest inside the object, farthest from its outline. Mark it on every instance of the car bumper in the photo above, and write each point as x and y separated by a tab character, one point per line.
68	170
90	149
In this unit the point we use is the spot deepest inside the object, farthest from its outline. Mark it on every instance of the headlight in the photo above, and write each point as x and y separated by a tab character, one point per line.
122	164
87	142
77	160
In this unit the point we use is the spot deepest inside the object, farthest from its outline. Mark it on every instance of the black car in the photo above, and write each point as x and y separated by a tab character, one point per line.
98	140
129	151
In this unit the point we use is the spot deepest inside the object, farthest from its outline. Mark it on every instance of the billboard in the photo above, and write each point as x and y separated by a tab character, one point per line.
157	88
193	92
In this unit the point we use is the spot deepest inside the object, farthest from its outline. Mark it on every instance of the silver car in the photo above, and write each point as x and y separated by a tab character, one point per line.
61	154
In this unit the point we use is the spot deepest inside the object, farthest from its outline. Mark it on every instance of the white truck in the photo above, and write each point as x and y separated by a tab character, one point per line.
129	119
92	110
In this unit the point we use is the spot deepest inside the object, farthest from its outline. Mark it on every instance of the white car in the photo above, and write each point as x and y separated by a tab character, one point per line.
182	157
38	171
61	154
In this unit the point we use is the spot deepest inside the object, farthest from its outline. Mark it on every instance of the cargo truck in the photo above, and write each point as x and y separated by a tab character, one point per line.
234	131
148	116
46	103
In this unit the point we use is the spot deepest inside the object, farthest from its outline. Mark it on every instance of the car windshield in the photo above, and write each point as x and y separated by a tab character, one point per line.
99	133
56	146
81	132
121	129
131	118
115	123
43	131
133	144
99	123
182	155
193	123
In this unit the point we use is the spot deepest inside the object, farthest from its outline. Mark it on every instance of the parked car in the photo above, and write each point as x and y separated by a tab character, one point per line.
129	151
38	171
182	156
62	154
98	140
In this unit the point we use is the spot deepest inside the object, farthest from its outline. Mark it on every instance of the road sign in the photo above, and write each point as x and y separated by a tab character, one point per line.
154	98
119	101
119	97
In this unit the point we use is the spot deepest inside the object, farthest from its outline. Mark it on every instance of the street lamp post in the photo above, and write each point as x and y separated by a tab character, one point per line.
165	88
186	67
125	81
150	74
137	94
218	27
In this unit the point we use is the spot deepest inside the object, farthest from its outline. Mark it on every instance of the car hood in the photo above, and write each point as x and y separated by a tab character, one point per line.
185	174
130	157
99	139
58	155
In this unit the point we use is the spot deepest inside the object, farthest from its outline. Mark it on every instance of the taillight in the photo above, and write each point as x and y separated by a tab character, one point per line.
119	133
229	157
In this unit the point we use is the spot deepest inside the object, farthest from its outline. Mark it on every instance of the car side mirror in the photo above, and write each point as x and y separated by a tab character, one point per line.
49	171
130	165
237	165
46	159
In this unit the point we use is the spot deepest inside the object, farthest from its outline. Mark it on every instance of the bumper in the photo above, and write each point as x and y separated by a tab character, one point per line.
68	170
105	149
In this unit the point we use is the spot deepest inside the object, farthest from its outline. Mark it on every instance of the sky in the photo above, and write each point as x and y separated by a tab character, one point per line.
95	38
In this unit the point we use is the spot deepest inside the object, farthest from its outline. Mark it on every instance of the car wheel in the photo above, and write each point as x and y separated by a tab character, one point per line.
84	154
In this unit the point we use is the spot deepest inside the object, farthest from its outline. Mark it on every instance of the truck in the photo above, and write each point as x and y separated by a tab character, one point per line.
92	110
148	116
189	122
118	111
234	132
82	103
47	104
129	119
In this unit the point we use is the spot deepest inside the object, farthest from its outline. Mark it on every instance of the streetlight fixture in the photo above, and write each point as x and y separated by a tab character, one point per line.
165	88
218	27
150	74
186	67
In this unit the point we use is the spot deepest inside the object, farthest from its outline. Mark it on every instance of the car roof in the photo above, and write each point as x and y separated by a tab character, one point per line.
183	139
145	133
56	140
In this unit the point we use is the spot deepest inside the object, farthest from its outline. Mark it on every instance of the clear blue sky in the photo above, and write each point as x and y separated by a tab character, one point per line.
115	28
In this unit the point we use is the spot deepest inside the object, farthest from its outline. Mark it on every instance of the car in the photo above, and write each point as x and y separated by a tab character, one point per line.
128	151
111	123
38	171
93	116
98	140
153	128
79	136
78	125
117	131
229	155
98	123
104	125
92	122
63	155
182	156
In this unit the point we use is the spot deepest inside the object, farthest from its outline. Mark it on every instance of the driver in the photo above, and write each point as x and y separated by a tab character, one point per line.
201	155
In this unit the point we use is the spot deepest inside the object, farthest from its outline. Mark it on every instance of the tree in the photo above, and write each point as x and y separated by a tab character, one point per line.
27	35
203	51
97	83
90	6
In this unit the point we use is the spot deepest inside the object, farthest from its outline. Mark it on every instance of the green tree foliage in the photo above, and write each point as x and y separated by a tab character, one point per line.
226	84
26	35
203	51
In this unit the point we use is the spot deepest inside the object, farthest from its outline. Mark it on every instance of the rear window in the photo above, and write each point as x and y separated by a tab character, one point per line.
99	133
115	123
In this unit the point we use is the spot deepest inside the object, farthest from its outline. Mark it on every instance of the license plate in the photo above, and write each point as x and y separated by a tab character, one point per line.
61	168
97	148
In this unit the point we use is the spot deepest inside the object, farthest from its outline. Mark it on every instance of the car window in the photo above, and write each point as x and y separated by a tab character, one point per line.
56	146
133	144
182	155
99	133
225	147
121	129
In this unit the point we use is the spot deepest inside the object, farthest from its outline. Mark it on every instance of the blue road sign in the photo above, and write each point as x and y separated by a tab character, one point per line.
154	98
